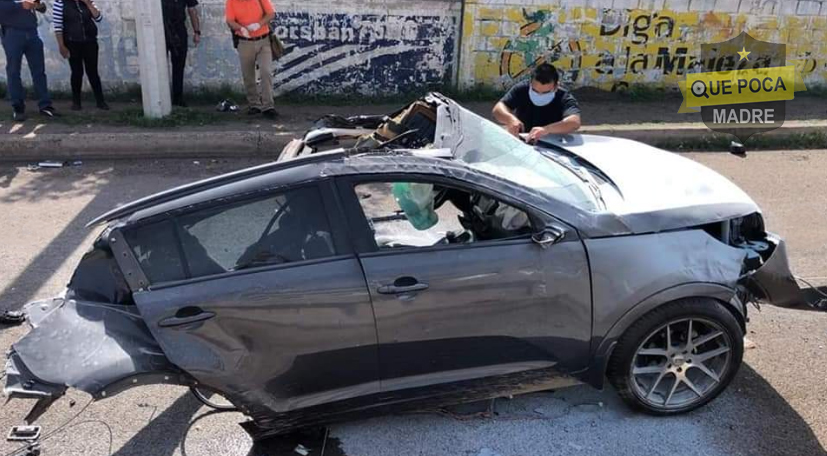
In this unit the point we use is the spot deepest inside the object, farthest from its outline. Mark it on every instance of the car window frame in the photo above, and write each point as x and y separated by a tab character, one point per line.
331	206
364	242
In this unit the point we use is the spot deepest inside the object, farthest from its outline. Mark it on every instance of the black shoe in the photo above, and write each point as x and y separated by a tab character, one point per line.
76	107
253	112
103	106
49	111
19	115
270	113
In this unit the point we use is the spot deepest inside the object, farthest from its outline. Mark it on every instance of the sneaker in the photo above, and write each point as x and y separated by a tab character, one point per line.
49	111
103	106
253	111
19	115
270	113
76	107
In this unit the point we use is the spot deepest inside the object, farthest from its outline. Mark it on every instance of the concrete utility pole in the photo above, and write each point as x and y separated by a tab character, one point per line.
152	53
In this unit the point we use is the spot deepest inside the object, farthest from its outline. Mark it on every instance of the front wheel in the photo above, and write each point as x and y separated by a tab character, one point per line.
677	357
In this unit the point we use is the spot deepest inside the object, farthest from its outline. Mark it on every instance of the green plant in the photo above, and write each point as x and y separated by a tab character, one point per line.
721	142
134	117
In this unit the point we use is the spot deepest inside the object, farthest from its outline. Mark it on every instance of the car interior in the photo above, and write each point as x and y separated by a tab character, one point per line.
416	214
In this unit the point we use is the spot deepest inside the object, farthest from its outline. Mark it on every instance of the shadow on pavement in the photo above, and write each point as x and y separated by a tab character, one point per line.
164	434
760	422
50	257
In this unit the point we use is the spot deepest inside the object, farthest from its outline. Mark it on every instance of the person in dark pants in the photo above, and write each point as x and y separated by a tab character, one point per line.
539	107
77	38
175	28
18	31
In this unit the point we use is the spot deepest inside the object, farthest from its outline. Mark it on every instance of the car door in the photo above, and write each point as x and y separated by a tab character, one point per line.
451	311
260	299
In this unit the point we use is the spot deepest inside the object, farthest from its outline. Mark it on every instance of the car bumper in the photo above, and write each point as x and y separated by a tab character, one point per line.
773	282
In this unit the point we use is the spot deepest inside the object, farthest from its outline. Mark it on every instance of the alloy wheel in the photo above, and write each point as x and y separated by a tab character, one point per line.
680	363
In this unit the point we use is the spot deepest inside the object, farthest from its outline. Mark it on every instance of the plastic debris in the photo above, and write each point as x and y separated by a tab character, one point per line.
23	433
226	106
302	450
12	318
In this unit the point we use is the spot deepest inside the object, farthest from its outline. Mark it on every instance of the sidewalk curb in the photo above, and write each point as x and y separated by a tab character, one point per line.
257	143
122	146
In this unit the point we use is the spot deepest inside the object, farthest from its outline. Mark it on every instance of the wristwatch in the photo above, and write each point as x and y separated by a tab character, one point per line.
197	32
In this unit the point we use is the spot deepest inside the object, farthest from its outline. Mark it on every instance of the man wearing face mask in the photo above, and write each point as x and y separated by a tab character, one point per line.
539	107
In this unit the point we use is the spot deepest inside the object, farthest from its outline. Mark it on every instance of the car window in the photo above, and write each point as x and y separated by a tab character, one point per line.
491	149
156	249
283	228
418	214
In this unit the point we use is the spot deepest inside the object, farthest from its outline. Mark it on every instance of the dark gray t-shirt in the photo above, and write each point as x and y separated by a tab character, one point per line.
518	100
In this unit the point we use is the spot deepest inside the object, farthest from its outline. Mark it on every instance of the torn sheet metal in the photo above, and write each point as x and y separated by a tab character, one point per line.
83	345
652	263
773	282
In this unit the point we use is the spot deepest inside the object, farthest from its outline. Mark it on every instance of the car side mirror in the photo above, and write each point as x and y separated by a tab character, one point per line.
548	237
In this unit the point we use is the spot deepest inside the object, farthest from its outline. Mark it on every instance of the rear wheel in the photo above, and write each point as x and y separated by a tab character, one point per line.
677	357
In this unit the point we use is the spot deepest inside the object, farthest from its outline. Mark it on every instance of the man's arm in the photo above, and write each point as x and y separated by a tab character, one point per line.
569	124
195	21
269	13
506	117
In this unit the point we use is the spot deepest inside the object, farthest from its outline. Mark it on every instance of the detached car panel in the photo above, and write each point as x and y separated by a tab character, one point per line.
415	260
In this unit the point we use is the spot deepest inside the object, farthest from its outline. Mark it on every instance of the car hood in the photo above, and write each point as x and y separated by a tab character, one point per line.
649	181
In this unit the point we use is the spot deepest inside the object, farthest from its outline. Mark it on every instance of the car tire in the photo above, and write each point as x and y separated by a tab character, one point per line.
652	366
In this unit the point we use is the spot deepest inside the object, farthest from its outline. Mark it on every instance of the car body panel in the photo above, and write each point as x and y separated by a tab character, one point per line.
773	282
637	168
511	303
284	337
84	345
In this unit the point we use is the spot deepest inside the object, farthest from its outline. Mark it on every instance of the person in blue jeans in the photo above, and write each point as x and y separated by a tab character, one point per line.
18	30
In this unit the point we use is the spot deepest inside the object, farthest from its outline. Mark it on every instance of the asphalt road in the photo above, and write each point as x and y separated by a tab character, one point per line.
776	406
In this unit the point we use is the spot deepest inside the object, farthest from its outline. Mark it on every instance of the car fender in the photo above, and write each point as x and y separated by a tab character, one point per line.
595	374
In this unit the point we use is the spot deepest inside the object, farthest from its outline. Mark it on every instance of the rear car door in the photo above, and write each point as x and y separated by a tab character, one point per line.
260	299
452	309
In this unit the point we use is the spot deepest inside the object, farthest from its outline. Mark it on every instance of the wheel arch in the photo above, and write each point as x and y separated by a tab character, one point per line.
595	375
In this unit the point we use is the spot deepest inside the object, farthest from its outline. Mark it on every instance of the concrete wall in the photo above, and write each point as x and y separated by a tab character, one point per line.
614	43
387	46
333	46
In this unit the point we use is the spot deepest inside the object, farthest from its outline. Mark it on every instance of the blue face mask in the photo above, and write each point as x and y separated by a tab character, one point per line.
541	99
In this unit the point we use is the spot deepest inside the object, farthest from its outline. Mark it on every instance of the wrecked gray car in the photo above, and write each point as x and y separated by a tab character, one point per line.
416	260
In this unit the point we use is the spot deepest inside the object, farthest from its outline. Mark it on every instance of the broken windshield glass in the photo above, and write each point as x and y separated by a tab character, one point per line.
491	149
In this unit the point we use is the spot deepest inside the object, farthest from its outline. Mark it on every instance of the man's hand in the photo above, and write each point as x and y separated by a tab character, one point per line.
515	127
536	133
253	27
196	39
64	51
244	32
28	5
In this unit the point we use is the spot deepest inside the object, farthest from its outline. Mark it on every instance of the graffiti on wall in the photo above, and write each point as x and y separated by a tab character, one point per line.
610	49
366	54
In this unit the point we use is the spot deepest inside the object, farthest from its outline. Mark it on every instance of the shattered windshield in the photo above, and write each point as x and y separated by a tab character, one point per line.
491	149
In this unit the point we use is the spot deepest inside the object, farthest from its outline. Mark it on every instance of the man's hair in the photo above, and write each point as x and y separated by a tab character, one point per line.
545	73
